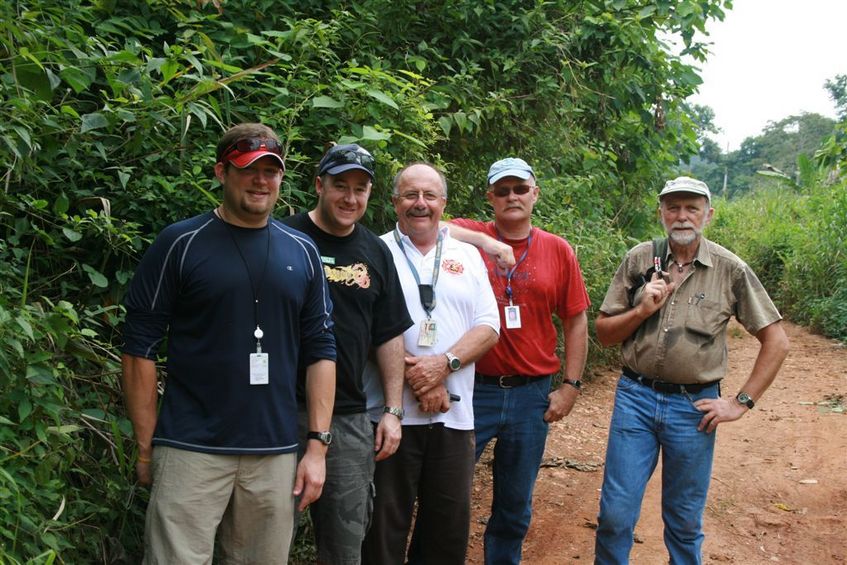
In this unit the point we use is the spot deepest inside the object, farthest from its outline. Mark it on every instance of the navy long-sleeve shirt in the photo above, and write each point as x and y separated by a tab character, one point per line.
196	286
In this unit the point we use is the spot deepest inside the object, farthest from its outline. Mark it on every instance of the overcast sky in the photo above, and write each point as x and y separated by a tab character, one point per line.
769	60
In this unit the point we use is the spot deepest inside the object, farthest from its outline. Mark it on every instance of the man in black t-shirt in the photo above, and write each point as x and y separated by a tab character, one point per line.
369	312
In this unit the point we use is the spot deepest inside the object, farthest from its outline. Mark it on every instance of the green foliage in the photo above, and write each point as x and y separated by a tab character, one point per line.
60	422
798	253
109	115
837	88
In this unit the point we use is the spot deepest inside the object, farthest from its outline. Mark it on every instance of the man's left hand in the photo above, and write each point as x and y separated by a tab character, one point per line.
311	474
387	437
425	373
718	410
561	403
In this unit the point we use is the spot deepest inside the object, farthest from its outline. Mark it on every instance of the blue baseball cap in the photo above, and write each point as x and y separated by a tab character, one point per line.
509	167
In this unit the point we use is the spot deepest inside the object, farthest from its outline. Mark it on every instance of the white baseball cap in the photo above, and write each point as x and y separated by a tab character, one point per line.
686	184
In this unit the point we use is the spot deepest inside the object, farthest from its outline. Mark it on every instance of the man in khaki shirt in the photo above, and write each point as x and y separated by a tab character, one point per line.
672	327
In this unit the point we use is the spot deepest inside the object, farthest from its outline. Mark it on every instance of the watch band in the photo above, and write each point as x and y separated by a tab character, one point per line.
394	411
323	437
576	383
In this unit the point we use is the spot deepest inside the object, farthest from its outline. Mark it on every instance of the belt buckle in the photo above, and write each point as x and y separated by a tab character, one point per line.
500	382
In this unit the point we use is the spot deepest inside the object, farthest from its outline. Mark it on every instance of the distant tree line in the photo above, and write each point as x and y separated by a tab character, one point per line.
786	148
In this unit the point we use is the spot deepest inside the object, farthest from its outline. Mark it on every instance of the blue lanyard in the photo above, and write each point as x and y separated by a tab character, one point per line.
425	291
511	271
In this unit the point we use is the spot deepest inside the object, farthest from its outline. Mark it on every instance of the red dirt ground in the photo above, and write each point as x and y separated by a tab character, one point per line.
779	482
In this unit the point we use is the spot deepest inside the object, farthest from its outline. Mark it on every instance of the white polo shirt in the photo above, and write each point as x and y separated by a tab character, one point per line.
463	300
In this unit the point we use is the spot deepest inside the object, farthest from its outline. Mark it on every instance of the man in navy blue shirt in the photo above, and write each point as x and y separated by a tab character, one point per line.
242	300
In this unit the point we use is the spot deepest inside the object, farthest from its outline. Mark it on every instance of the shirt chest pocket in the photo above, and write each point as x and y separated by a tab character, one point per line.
705	318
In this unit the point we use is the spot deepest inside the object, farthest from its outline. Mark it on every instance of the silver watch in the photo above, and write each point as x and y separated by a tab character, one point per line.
394	410
453	362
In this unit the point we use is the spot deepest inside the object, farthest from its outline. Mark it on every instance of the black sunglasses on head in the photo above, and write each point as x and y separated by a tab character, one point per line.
348	157
253	144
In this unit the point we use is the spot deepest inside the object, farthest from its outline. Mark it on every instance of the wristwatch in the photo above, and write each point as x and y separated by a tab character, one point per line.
453	362
576	383
394	410
323	437
744	398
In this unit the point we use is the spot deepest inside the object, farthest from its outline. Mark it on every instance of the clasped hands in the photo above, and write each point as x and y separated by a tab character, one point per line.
425	375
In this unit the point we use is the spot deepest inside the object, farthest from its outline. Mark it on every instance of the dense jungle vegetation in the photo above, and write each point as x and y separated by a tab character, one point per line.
110	111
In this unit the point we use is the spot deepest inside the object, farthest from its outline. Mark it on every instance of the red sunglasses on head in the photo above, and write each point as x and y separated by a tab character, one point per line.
253	144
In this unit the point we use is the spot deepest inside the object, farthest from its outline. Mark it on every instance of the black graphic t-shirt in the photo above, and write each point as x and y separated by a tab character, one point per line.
368	304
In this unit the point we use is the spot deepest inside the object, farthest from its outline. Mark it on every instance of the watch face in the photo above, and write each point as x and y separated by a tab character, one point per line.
744	398
455	364
323	437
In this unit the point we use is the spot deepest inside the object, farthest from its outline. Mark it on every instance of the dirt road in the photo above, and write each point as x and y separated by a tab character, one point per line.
779	483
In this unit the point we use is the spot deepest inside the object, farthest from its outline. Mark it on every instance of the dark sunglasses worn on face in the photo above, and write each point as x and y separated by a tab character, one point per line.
349	157
253	144
520	190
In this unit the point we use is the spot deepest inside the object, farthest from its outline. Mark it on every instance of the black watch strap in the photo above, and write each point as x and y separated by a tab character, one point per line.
323	437
576	383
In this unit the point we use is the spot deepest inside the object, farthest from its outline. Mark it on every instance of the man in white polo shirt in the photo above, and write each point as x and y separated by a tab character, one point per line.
455	321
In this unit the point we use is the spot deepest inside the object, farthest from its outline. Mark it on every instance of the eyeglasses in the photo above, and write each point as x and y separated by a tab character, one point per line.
253	144
347	157
520	190
428	195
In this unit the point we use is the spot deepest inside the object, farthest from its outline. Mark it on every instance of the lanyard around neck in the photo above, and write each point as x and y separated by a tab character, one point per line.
256	289
426	291
510	272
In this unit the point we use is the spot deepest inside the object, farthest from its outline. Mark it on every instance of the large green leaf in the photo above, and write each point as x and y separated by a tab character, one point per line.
383	97
78	79
326	102
93	121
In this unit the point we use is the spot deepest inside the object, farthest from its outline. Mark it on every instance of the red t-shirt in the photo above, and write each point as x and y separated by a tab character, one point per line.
548	280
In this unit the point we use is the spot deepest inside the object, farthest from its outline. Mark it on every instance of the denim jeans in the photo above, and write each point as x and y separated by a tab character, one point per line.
645	422
515	416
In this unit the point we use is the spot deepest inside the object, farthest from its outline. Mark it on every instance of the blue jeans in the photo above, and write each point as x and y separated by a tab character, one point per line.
515	416
643	423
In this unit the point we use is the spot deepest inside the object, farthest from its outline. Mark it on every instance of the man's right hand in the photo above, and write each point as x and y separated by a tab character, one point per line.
144	472
435	400
500	252
387	436
654	295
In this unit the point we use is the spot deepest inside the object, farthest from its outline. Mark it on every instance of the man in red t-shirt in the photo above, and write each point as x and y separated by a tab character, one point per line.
512	398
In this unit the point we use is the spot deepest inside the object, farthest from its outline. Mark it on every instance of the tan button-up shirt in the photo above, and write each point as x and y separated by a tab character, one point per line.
685	341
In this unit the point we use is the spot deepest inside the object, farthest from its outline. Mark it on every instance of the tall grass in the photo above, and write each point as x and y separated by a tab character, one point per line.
796	240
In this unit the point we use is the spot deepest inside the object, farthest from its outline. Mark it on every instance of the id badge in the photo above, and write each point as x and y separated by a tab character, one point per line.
258	368
427	336
513	317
